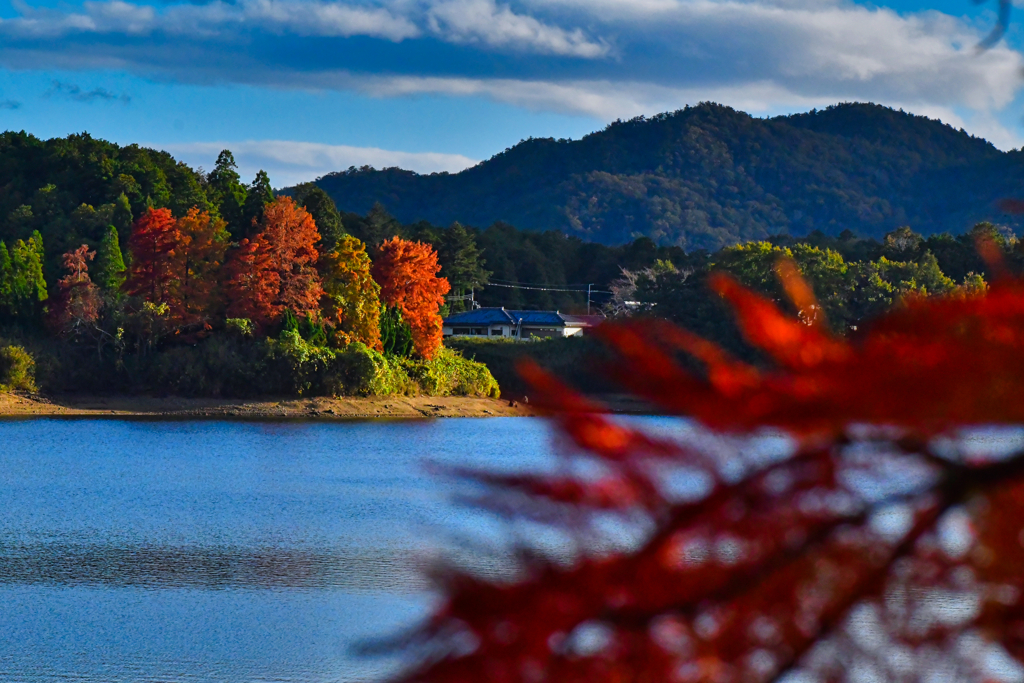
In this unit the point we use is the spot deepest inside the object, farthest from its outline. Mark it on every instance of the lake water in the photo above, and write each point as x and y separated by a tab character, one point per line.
229	551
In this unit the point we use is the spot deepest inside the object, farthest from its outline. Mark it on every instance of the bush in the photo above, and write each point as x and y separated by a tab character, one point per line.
449	373
17	369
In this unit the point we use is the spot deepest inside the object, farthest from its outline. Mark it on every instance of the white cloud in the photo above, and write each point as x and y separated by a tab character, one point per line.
289	163
483	21
602	58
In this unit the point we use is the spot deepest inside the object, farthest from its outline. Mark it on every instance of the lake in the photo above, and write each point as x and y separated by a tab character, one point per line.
231	551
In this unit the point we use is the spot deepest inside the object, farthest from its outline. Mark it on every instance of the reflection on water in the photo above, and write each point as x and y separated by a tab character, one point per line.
217	551
201	567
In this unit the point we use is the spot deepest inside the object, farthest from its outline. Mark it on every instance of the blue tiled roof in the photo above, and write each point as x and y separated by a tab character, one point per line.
481	316
501	316
491	316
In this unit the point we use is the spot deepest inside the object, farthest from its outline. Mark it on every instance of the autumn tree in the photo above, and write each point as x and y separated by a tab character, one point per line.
351	301
77	302
276	268
193	293
877	541
152	243
407	274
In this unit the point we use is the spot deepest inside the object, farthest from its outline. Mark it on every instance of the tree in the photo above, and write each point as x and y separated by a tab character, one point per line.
377	227
77	304
151	245
252	282
276	269
23	289
351	301
110	266
193	296
407	274
122	218
257	196
321	207
461	262
228	193
880	542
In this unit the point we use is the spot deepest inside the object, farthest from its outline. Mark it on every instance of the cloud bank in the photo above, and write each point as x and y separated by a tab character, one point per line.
603	58
289	163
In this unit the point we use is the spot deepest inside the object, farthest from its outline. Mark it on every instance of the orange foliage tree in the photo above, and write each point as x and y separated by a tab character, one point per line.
199	252
152	242
407	274
875	542
276	269
351	301
77	303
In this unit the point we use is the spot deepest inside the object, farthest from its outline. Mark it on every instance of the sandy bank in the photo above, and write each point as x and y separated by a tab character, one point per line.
13	405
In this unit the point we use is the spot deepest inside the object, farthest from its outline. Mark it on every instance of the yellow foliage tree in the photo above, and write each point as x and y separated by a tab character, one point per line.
351	300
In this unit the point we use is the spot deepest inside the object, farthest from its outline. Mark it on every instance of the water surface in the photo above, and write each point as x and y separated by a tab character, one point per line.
228	551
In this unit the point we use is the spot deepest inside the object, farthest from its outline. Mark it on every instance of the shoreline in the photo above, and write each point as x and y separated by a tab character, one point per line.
321	408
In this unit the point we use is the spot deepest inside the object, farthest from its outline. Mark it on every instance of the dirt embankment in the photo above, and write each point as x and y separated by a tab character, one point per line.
14	405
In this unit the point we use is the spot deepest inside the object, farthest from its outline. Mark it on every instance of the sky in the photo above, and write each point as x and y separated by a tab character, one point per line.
305	87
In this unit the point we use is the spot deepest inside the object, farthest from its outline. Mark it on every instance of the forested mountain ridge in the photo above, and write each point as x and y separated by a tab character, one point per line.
709	176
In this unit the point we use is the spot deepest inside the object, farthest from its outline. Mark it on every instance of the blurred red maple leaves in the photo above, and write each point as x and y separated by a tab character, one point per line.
878	546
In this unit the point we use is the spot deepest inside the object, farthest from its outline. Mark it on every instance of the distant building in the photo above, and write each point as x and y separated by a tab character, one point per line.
501	322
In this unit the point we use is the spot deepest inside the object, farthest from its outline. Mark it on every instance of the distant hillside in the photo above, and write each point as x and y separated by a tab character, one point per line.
709	176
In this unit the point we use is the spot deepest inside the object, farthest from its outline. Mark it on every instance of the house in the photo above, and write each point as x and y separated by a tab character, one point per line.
502	322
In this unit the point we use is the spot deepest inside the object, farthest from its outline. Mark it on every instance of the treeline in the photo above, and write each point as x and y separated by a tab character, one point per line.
200	305
853	279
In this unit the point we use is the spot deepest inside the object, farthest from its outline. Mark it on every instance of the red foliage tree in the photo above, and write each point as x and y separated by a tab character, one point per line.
276	269
193	293
877	546
407	274
152	242
77	304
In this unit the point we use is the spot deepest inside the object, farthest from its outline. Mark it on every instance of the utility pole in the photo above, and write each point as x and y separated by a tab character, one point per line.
589	285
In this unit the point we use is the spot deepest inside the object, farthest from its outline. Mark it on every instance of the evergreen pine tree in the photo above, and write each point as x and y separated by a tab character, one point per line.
110	266
462	263
258	196
228	193
122	217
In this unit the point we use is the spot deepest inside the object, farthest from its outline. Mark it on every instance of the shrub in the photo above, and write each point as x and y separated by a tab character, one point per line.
449	373
17	369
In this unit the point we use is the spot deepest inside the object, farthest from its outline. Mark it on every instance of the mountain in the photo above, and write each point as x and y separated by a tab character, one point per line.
708	176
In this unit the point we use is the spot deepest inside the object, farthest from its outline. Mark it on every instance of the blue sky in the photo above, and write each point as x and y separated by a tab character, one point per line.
303	87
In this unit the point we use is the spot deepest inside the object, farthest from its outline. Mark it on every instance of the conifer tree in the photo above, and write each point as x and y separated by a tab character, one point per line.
461	262
110	266
257	197
122	217
228	193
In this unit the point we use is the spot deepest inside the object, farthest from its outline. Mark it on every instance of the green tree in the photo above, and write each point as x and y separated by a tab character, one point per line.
122	217
321	207
228	193
462	263
110	268
257	196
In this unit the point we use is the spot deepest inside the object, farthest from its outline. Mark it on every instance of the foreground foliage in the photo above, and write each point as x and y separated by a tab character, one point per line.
878	544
